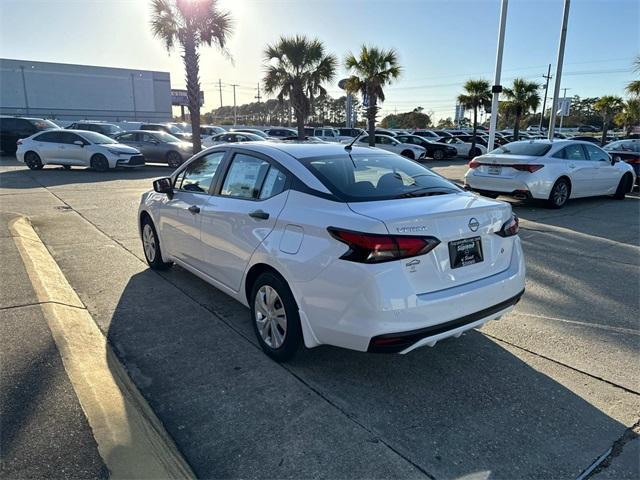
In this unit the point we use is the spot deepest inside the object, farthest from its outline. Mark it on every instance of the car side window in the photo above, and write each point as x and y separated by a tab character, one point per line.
274	183
69	137
595	154
198	176
127	137
573	152
245	177
49	137
148	138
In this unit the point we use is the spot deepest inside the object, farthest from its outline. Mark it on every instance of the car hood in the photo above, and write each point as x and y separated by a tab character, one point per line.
121	148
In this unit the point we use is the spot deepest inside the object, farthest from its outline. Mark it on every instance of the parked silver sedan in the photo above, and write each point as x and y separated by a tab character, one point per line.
231	137
158	147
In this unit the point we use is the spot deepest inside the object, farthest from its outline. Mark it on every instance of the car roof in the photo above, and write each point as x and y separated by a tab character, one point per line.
308	150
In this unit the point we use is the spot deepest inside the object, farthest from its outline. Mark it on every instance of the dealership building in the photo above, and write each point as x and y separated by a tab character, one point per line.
77	92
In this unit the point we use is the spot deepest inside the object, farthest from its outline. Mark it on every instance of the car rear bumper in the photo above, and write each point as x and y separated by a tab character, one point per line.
515	186
354	310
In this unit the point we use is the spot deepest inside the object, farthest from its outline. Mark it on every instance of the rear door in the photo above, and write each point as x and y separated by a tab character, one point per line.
241	215
181	215
48	144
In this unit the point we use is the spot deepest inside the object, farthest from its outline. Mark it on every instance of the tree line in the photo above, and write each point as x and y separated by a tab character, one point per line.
297	68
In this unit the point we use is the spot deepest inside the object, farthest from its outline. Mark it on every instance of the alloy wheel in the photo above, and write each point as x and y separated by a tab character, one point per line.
149	242
270	316
560	193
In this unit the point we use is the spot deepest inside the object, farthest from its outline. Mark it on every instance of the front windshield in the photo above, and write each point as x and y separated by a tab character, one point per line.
174	129
112	129
97	138
531	149
165	137
360	178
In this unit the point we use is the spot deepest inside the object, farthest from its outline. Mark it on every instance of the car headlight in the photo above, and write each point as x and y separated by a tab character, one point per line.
115	152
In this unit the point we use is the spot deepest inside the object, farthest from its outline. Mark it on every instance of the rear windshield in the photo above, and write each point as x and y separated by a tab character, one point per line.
43	124
361	178
531	149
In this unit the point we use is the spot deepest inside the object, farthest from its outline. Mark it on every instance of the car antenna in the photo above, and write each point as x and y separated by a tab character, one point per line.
350	146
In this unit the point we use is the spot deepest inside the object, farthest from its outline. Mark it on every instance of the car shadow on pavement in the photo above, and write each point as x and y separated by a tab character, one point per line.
470	406
54	176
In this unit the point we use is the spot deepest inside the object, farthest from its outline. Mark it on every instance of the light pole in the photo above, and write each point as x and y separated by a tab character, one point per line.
556	90
544	102
235	108
497	88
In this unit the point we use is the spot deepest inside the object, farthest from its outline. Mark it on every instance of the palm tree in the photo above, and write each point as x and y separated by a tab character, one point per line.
523	97
630	116
373	69
608	106
477	95
296	68
191	24
633	87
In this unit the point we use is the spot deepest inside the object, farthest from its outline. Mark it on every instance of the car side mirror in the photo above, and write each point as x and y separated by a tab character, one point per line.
79	143
615	159
163	185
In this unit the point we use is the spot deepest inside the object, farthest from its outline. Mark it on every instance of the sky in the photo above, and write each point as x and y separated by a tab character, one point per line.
440	43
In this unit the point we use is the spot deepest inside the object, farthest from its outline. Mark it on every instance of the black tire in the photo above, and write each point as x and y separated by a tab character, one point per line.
152	255
624	187
66	167
174	159
474	152
408	154
292	338
99	163
560	193
438	155
33	161
489	194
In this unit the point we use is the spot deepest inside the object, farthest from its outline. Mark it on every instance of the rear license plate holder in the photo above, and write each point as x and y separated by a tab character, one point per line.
465	252
494	170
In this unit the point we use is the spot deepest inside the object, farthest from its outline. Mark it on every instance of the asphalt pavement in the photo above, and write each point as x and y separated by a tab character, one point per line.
542	393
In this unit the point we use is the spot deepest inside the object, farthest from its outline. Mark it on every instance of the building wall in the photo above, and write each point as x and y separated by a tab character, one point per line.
74	92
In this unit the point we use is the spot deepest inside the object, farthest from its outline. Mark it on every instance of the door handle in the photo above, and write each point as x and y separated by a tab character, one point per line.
572	166
259	214
194	209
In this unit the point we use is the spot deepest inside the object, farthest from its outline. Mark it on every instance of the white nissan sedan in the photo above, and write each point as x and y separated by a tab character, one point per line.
328	244
552	171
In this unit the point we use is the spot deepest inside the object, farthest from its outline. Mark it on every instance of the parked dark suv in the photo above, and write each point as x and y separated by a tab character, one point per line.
14	128
108	129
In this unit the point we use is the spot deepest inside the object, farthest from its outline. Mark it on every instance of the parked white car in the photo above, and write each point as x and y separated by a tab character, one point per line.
356	248
76	148
328	134
230	137
464	148
390	144
552	171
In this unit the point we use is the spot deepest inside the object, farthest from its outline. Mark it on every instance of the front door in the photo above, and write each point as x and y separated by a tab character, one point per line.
181	214
72	154
150	146
581	171
241	216
607	175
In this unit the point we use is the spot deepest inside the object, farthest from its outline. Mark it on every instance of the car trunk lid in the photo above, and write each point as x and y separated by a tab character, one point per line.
453	219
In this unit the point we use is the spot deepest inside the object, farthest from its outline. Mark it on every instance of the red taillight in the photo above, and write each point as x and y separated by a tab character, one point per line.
525	167
375	248
474	164
510	227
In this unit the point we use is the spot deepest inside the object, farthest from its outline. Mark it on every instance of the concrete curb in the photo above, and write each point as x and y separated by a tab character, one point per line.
131	439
